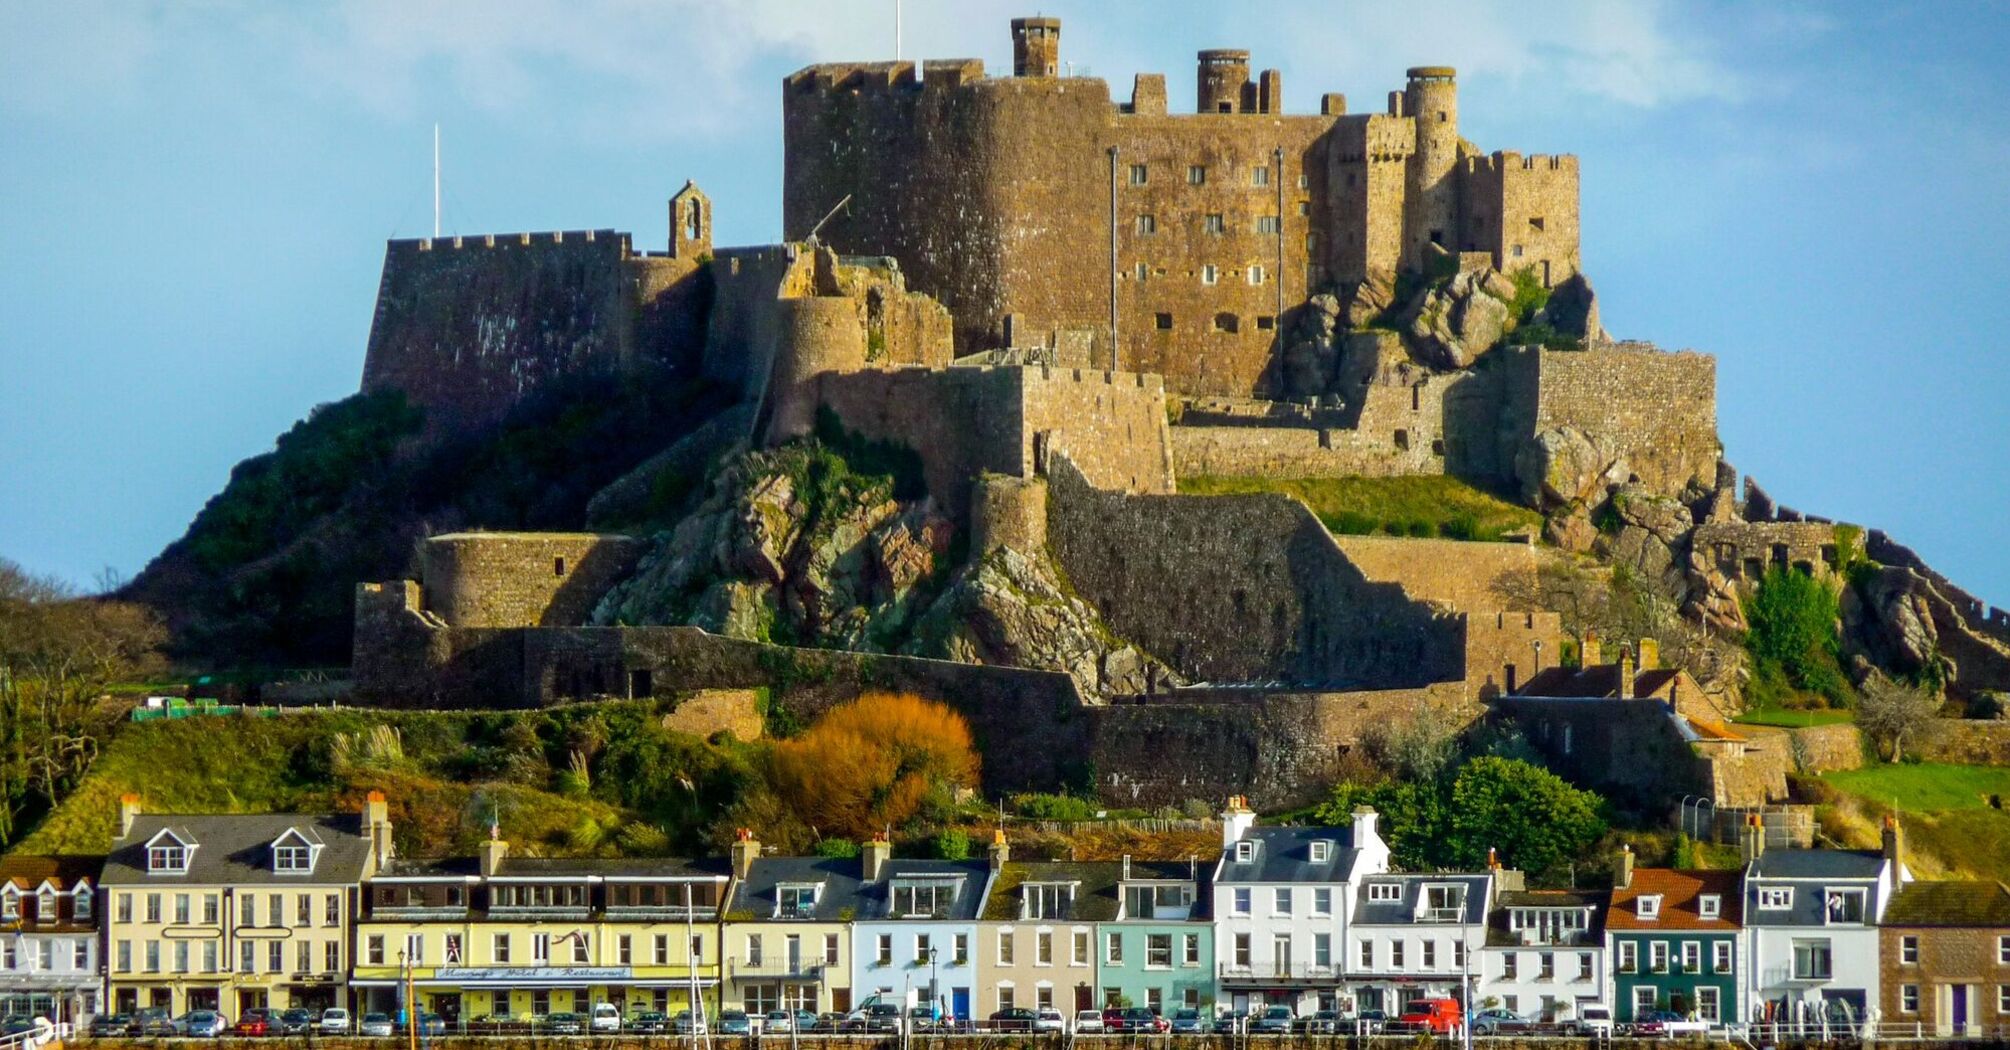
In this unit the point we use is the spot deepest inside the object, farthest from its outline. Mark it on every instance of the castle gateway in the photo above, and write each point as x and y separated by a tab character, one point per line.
1119	235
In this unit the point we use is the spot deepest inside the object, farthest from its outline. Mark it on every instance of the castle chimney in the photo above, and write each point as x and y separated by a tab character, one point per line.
1236	820
746	849
377	824
1270	92
1590	652
1650	654
1624	877
1894	840
1036	47
874	857
1754	839
1000	850
1224	79
129	811
493	850
1626	672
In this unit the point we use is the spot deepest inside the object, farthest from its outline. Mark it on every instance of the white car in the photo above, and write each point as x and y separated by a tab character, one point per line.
1049	1020
778	1022
1089	1021
606	1019
334	1021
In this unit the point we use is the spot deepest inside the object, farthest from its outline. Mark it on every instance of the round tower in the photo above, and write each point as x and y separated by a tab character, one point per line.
1036	47
1431	198
1224	74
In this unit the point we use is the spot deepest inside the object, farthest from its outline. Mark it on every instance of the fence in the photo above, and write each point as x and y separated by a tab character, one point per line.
43	1034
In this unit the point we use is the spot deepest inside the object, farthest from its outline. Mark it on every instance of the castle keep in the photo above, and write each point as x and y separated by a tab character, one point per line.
1042	212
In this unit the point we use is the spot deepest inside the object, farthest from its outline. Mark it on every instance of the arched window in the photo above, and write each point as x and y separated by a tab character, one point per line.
695	222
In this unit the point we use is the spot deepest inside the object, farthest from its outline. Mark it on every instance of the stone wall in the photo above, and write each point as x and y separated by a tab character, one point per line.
709	711
1966	742
1469	577
468	327
1522	211
1242	589
522	579
1745	550
1819	749
1630	750
1658	409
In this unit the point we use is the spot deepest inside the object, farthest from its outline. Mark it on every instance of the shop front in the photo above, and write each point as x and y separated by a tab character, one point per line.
472	995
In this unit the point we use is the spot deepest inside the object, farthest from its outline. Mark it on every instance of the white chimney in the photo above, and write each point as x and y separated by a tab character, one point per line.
1368	842
1236	820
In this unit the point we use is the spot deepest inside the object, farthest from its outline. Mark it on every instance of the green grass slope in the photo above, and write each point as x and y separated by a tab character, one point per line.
588	780
1428	505
1951	821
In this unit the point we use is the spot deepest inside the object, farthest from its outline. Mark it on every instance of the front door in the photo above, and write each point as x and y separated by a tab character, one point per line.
1958	1009
960	1004
1085	998
448	1006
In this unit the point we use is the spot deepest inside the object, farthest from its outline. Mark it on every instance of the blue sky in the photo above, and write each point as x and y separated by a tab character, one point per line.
194	196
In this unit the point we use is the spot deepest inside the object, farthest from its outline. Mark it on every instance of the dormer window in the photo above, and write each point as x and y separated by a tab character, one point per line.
1845	905
292	854
167	854
1322	851
10	904
80	902
1046	900
795	901
1648	906
1444	903
45	904
1776	898
1245	852
1385	892
922	900
1709	906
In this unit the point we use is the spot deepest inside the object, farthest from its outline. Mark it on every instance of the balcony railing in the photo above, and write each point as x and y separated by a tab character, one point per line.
1290	971
774	967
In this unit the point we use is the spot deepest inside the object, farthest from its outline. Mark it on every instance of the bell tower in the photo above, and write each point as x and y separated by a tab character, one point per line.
690	223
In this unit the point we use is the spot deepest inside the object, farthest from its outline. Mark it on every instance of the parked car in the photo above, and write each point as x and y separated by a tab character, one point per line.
154	1020
334	1021
376	1025
292	1022
1088	1022
778	1022
1049	1020
1368	1022
1436	1016
1144	1019
1228	1022
605	1017
564	1023
1274	1020
256	1021
688	1023
111	1026
1015	1019
735	1022
1666	1023
202	1024
1188	1021
15	1024
432	1024
873	1018
498	1024
648	1022
1592	1019
1494	1020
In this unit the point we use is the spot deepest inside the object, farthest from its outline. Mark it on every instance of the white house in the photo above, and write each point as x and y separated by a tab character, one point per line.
1810	924
1408	938
915	935
1544	956
1282	897
49	921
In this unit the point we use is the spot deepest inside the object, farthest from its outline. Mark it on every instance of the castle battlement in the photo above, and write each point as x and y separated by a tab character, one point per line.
509	240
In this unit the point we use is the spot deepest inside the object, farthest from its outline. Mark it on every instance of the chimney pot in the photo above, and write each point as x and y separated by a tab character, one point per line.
129	811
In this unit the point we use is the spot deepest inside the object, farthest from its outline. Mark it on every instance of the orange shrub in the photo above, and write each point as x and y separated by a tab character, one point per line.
867	765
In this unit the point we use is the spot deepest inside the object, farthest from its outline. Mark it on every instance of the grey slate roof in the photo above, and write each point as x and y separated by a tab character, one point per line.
1500	933
1095	889
755	895
1817	864
875	899
1404	911
236	848
1285	855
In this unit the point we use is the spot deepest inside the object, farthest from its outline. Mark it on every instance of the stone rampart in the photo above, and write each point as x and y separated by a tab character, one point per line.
1658	409
1966	742
1745	550
522	579
1819	749
1241	589
1469	577
468	327
1523	212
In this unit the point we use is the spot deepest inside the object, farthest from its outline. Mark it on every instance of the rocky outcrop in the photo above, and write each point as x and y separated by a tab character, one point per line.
1572	310
1450	326
1651	540
1011	608
1564	466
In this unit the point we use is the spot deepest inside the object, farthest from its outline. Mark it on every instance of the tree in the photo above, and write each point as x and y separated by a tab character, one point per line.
870	764
1411	817
1533	818
1890	713
58	654
1795	630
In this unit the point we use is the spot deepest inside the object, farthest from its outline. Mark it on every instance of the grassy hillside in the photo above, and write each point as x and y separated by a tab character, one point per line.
1926	786
1951	825
597	779
1406	506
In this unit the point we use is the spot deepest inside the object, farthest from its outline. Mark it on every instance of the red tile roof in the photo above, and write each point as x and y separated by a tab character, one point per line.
1679	891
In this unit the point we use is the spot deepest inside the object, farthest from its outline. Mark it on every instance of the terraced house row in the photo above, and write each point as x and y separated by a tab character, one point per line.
233	912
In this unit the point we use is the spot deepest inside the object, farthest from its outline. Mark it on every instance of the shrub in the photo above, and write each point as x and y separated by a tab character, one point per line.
1794	628
952	844
840	848
871	763
1053	807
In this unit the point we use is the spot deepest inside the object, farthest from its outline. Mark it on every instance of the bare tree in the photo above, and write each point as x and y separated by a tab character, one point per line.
1891	713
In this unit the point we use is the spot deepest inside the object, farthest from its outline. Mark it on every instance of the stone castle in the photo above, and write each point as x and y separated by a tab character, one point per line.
1060	305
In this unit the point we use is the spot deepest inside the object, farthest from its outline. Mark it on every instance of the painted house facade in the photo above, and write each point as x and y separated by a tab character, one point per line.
1945	957
1409	937
1675	943
1281	900
1544	956
49	937
788	932
1810	923
1037	947
916	933
498	935
231	912
1159	949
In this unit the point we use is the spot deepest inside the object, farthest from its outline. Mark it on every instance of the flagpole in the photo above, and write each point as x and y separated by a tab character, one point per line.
436	182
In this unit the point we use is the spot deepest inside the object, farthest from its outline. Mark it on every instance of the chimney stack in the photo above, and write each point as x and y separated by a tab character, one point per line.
1754	838
874	857
1126	870
1000	851
129	811
1626	672
1894	840
1625	876
1650	654
1236	820
377	825
493	850
746	849
1590	652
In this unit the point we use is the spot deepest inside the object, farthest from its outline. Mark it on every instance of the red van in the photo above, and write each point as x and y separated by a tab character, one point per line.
1436	1016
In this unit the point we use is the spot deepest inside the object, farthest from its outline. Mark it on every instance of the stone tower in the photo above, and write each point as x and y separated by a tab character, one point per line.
690	223
1431	209
1223	81
1036	47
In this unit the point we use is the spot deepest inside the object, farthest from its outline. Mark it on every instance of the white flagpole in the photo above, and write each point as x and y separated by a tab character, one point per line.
436	182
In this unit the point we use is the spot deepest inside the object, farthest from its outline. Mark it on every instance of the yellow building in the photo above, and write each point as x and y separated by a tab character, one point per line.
501	936
787	931
235	911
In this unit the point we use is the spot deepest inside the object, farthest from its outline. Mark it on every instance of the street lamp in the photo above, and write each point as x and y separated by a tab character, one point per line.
411	1015
934	992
